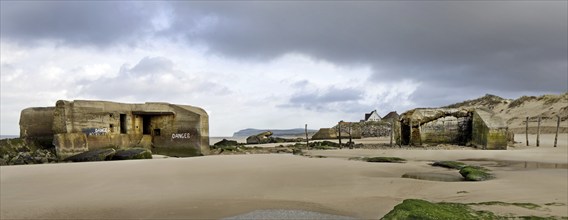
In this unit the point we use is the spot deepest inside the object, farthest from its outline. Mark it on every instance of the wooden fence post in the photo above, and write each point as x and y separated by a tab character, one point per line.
307	140
350	137
410	139
399	133
339	128
527	130
538	133
420	133
557	128
392	131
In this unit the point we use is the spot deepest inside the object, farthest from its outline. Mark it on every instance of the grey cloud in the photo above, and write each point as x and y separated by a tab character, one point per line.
301	84
152	78
329	96
331	99
509	47
99	23
153	65
506	46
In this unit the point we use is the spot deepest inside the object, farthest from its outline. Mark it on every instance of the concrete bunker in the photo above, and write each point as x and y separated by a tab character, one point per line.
77	126
325	133
477	127
489	131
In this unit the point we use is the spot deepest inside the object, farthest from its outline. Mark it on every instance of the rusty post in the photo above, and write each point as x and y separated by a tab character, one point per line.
538	133
527	130
557	128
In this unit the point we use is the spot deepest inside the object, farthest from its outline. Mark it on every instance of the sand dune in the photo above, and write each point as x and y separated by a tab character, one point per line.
214	187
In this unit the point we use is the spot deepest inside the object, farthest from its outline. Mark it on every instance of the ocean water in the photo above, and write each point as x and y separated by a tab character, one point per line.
8	136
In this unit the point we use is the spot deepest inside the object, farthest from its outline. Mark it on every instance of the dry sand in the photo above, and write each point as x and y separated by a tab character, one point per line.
214	187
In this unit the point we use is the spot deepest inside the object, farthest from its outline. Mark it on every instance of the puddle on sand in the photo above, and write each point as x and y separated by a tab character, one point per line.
441	177
517	164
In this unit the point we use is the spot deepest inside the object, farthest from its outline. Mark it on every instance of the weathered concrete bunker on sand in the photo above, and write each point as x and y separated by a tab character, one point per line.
477	127
77	126
325	133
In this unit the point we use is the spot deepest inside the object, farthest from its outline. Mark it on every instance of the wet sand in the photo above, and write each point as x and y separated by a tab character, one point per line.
214	187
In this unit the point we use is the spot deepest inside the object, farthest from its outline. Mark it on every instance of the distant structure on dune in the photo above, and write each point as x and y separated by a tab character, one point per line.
391	116
372	116
77	126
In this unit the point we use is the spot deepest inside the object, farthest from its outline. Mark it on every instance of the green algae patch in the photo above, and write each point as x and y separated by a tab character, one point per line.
421	209
475	173
324	145
449	164
469	173
384	159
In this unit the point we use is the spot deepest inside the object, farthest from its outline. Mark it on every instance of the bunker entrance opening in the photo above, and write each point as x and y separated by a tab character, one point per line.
405	133
123	123
146	124
150	121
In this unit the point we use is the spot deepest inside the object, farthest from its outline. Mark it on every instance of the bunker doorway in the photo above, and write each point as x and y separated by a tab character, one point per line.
151	121
123	123
406	132
147	124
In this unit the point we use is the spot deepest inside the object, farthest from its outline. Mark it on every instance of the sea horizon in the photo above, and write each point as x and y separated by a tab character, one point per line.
8	136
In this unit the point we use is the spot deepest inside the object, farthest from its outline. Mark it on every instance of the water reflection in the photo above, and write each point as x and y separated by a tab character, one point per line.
517	164
442	177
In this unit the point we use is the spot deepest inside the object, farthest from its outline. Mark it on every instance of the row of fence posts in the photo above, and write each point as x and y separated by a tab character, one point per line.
538	131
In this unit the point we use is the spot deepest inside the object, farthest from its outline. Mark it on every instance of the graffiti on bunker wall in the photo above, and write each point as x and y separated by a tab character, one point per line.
96	131
181	135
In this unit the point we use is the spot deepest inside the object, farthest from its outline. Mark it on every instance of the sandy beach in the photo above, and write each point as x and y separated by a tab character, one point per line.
221	186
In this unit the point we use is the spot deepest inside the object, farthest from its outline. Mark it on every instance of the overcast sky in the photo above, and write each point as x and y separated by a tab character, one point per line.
279	64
